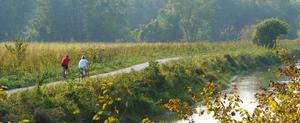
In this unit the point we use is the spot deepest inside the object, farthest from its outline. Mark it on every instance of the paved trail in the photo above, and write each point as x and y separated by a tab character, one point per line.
138	67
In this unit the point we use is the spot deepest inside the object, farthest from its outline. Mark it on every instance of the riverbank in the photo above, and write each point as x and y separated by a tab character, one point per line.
140	91
248	84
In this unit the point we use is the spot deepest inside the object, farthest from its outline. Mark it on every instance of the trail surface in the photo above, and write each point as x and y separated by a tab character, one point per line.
137	67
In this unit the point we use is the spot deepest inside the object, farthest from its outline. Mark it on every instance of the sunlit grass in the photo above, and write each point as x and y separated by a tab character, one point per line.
44	58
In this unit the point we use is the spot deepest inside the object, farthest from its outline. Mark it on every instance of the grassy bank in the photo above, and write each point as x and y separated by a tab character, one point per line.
42	61
139	92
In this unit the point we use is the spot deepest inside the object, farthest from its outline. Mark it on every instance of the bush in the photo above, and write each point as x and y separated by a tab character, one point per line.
268	31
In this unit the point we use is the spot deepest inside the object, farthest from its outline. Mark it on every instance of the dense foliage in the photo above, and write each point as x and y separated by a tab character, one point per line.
215	20
268	31
148	20
73	20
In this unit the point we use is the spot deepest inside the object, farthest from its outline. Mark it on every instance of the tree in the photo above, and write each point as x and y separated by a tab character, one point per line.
192	14
268	31
187	20
37	26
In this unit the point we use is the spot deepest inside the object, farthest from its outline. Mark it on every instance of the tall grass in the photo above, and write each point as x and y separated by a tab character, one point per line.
44	58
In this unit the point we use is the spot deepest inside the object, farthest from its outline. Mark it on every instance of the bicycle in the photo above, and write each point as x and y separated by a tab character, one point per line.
65	71
83	73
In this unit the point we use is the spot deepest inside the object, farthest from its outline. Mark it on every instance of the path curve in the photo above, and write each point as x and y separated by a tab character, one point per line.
137	67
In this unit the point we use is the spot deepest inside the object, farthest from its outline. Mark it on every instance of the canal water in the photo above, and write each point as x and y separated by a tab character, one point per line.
248	85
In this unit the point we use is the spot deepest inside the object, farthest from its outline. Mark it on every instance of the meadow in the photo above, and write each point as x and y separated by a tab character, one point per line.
41	61
122	97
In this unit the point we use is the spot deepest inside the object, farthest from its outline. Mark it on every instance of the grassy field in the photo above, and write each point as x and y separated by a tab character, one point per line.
79	102
41	61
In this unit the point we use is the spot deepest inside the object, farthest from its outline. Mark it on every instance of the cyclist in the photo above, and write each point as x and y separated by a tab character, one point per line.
65	65
83	66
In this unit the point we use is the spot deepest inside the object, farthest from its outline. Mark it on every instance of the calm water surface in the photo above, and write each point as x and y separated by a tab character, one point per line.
248	86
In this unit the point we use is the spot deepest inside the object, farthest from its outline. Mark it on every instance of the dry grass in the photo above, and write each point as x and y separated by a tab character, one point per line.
41	58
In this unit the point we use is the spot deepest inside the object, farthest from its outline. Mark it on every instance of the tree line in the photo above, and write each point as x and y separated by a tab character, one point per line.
140	20
74	20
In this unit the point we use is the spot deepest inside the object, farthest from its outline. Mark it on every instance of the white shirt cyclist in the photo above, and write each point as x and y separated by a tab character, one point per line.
83	63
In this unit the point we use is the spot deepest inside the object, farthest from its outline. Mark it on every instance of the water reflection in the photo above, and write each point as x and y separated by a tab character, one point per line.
247	86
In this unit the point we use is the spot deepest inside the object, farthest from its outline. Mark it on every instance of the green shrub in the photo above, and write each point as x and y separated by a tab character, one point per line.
268	31
41	116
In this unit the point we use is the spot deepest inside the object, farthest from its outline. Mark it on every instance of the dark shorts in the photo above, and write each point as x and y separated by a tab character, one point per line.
65	66
83	69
